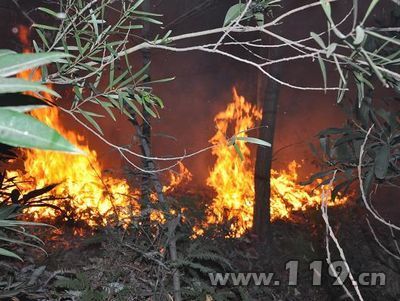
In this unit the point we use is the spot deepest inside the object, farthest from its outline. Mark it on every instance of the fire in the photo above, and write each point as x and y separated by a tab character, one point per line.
88	194
84	191
183	176
233	179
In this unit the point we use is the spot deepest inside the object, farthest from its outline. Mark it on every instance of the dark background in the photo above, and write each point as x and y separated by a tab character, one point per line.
204	82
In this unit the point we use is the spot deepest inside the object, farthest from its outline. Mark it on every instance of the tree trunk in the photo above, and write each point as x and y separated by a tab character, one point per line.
270	95
145	130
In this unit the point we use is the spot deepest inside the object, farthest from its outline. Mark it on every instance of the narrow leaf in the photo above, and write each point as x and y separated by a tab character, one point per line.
4	252
323	70
254	141
318	39
238	151
360	36
382	162
13	64
233	13
15	85
21	130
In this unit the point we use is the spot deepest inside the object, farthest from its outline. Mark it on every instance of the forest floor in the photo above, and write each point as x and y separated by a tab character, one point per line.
133	264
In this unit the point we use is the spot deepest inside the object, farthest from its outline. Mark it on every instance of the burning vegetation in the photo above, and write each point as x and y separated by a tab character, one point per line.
84	193
147	235
233	178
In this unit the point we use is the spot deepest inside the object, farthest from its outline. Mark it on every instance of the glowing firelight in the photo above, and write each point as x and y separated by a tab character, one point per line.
233	179
84	192
88	194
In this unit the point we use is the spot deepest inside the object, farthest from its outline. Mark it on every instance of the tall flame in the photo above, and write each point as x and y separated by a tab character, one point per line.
85	190
233	179
88	194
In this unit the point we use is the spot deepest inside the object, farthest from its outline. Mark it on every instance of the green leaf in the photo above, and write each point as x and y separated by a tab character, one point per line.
4	252
326	6
254	141
130	27
150	111
88	116
233	13
15	85
136	5
148	19
6	52
107	106
369	10
15	63
50	12
318	39
369	177
42	37
382	37
134	107
238	151
360	36
342	77
377	72
21	130
259	18
21	242
116	82
323	70
382	162
141	71
330	49
23	109
46	27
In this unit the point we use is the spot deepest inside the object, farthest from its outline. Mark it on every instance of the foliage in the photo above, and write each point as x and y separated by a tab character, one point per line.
364	55
340	147
197	259
97	34
12	231
21	130
80	287
256	11
17	128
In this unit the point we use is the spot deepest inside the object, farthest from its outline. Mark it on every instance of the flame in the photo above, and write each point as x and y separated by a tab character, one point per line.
176	179
233	179
86	192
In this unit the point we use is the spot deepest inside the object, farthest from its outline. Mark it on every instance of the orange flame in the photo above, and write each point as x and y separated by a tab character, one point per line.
89	194
99	199
183	176
233	179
